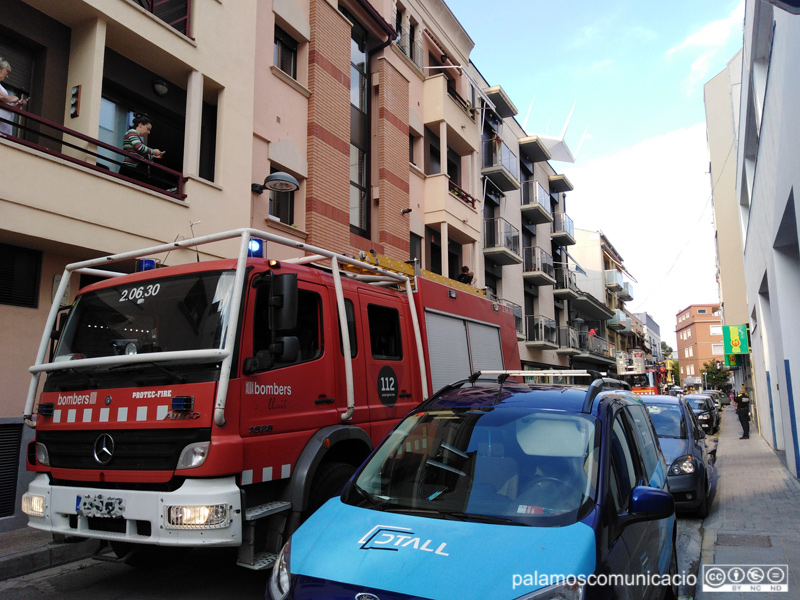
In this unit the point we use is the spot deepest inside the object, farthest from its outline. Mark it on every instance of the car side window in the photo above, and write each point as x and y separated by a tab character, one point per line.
647	438
384	328
623	466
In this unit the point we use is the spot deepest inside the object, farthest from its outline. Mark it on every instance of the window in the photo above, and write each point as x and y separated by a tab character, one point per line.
285	53
688	333
308	330
644	430
717	349
716	330
411	149
384	332
281	204
623	470
702	311
359	130
351	329
20	271
433	159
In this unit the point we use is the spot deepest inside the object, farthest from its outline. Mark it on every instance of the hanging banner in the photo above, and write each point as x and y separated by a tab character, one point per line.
733	360
735	339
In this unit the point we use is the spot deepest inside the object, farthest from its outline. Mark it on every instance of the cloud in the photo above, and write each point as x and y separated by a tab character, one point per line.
652	202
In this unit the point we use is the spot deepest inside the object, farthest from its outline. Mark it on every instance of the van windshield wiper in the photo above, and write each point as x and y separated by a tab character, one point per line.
368	497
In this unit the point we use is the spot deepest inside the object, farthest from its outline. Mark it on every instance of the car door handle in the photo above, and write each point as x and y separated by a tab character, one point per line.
406	395
324	401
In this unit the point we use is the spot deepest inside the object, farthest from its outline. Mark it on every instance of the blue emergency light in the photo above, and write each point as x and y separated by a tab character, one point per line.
145	264
256	248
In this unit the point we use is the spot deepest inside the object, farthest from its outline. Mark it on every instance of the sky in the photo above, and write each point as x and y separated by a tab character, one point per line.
632	75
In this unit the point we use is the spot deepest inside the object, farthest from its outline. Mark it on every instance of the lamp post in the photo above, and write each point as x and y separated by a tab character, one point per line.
277	182
705	385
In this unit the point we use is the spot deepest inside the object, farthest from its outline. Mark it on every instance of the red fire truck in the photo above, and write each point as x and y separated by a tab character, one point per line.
633	370
219	403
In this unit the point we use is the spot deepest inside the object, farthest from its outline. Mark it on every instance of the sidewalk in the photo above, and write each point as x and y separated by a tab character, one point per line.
27	550
755	515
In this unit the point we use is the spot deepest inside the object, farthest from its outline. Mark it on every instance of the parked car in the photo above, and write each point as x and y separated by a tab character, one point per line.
720	398
542	480
705	410
683	443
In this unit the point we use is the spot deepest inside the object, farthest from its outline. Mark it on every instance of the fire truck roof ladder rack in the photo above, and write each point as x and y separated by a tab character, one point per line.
225	354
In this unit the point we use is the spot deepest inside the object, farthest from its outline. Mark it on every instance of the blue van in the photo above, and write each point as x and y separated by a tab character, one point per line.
493	489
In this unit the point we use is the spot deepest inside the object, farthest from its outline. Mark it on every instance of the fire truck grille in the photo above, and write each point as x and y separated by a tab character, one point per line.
131	450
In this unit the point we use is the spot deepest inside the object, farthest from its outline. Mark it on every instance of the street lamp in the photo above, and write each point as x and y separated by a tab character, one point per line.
277	182
705	385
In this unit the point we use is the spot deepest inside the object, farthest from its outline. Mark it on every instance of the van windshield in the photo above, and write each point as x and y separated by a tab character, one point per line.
513	465
186	312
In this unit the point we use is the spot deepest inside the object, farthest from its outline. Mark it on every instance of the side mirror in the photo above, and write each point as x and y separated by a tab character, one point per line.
649	504
283	350
701	435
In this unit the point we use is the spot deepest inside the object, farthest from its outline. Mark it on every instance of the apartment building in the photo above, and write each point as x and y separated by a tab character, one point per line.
651	334
699	331
767	145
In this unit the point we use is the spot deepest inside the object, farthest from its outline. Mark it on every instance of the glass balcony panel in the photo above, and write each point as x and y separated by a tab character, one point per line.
535	202
537	266
501	241
541	331
500	164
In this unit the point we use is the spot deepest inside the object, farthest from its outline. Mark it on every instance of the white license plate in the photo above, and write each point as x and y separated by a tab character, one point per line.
99	506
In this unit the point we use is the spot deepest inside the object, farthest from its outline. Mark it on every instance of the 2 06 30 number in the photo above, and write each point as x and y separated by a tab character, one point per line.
140	293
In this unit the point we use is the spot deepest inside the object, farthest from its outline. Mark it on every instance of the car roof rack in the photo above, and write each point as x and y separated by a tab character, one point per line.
599	383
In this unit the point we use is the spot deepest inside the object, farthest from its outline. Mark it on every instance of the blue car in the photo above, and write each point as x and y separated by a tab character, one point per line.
683	443
493	489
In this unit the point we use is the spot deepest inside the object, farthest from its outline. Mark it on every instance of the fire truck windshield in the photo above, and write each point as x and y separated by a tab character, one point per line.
187	312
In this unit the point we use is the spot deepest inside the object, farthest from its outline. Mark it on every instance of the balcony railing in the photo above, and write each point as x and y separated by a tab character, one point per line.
536	259
174	13
499	233
56	140
565	280
563	224
412	49
535	199
594	344
462	195
568	338
497	154
541	329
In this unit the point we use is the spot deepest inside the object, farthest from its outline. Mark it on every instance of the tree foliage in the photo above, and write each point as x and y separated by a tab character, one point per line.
666	350
715	377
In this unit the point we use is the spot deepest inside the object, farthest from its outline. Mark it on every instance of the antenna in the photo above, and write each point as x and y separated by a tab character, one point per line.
528	114
564	131
191	227
583	137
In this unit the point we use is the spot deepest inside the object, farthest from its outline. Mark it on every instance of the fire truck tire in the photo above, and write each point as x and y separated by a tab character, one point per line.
328	482
145	556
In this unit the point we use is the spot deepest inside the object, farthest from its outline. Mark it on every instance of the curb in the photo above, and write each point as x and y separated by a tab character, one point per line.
52	555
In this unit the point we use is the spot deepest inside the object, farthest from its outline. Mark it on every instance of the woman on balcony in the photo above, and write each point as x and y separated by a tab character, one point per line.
7	99
133	143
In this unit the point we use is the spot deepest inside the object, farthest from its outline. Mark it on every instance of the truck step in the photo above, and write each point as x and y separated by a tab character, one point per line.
263	561
264	510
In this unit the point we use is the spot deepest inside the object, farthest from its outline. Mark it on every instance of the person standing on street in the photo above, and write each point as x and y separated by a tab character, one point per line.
743	411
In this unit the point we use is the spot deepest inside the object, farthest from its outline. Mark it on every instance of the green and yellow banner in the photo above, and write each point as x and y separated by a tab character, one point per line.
734	338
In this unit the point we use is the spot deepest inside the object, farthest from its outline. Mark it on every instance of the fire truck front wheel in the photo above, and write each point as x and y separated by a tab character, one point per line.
145	556
328	482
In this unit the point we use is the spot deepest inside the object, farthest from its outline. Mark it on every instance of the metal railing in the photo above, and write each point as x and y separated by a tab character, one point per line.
565	280
32	131
174	13
461	194
499	233
411	48
563	224
497	154
541	329
568	337
536	259
534	194
594	344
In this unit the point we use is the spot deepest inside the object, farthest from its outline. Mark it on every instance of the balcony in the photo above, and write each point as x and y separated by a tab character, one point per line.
595	349
500	164
537	266
446	202
560	184
439	104
613	280
534	149
590	307
542	332
565	286
618	321
568	341
503	105
562	230
535	202
501	242
50	138
626	295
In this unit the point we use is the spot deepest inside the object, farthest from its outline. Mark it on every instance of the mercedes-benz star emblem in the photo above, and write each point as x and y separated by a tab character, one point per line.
104	449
